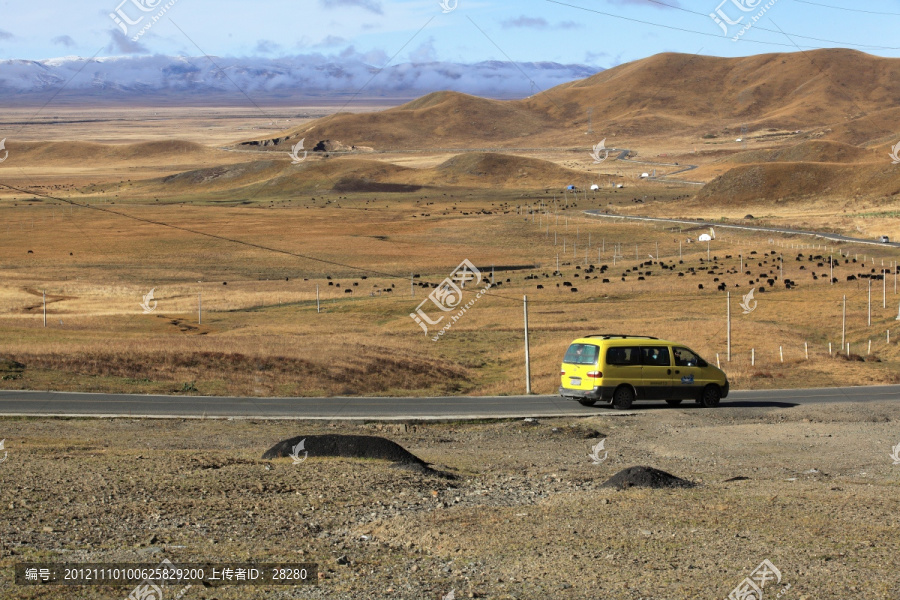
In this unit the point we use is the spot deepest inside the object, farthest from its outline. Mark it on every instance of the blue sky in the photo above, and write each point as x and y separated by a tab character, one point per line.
601	33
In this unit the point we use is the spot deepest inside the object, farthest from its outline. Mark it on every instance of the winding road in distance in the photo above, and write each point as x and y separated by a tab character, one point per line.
75	404
827	236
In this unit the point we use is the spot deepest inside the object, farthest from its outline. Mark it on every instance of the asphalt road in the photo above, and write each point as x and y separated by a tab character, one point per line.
827	236
70	404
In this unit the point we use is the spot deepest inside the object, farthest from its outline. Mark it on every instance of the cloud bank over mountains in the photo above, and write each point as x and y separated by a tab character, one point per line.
310	75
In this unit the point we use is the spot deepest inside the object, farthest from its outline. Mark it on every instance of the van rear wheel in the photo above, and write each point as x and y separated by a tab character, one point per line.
586	401
623	397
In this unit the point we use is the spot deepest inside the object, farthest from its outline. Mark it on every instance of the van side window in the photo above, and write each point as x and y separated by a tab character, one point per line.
581	354
657	356
685	358
622	355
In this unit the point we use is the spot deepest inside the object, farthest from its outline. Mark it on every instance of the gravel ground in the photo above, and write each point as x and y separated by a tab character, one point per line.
515	509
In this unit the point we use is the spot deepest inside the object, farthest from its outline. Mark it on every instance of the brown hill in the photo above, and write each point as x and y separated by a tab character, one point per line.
664	96
776	182
504	170
89	153
350	174
438	120
817	151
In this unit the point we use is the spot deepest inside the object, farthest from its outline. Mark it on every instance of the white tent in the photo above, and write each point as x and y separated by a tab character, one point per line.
595	187
645	175
704	238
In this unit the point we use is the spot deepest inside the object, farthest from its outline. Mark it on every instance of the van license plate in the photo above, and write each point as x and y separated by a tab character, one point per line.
575	380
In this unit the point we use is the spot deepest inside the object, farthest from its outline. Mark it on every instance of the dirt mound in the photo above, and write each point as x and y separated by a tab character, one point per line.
351	446
645	477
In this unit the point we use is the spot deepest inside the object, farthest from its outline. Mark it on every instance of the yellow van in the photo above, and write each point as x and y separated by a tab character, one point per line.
620	369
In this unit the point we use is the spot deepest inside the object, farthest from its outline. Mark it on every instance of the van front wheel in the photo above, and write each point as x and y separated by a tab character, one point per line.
711	396
623	397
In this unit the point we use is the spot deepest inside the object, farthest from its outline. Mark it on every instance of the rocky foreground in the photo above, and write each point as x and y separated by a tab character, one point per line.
513	509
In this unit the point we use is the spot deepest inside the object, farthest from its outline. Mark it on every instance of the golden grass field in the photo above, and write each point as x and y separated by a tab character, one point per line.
261	335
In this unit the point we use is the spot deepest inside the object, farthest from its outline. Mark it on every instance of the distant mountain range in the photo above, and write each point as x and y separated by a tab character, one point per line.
306	76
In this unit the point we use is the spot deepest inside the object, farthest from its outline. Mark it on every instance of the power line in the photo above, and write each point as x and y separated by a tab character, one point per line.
205	234
796	35
856	10
715	35
614	16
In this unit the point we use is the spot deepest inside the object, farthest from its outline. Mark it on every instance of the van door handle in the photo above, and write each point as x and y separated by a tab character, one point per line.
669	372
677	372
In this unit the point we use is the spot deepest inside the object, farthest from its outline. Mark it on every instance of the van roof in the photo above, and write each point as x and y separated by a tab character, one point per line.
608	336
619	340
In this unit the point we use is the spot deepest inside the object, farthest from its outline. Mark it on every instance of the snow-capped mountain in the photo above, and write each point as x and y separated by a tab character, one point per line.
124	77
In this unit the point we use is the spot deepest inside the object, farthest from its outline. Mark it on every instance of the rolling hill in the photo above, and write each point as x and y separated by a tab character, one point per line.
661	97
351	174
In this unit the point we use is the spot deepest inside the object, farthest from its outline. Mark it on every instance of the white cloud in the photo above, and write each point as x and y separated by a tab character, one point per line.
64	40
370	5
121	43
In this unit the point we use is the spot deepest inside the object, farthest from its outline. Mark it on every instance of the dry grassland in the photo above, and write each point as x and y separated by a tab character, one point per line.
261	334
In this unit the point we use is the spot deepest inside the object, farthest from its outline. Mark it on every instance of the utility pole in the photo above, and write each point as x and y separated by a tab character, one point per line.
870	303
844	323
527	354
728	326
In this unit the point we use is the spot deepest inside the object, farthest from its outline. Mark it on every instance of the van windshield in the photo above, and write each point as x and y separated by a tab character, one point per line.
581	354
